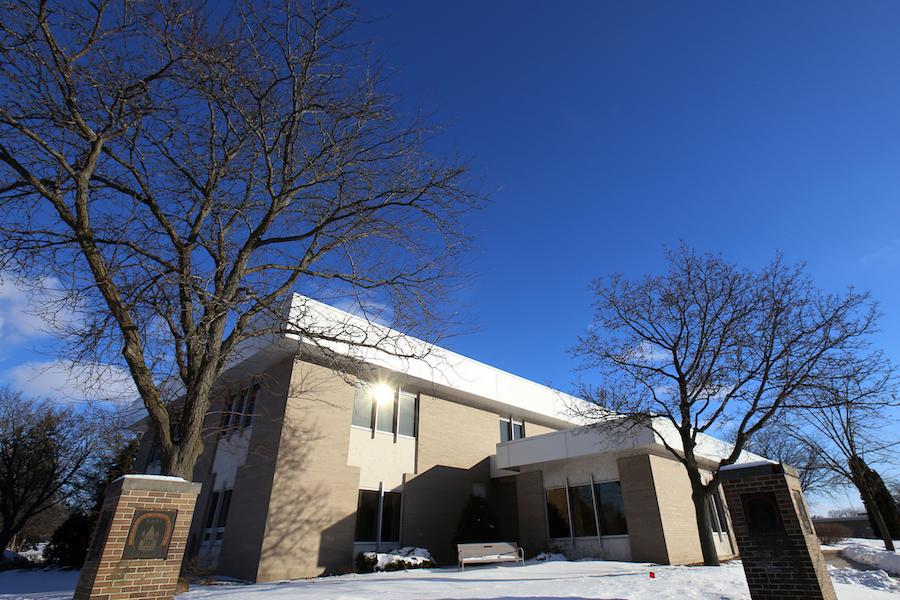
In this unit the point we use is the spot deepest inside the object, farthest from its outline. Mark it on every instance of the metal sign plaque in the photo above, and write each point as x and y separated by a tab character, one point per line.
150	534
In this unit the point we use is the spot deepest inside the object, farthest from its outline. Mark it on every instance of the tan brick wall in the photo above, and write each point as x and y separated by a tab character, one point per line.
454	435
108	576
533	429
246	525
311	514
645	529
676	510
455	443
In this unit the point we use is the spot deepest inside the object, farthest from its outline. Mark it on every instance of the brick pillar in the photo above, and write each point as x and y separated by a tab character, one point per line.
137	547
778	545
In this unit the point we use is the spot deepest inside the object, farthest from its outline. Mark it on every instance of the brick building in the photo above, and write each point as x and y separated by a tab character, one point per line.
305	467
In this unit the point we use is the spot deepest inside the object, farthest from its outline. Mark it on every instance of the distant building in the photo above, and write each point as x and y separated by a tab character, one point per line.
312	467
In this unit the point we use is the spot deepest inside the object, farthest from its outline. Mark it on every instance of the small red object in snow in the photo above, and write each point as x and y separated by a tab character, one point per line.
652	575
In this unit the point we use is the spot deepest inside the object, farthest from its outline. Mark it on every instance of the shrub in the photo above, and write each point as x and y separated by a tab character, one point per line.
68	546
832	533
401	559
366	561
477	522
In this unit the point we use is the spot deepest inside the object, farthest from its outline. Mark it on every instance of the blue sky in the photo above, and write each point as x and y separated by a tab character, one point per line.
606	130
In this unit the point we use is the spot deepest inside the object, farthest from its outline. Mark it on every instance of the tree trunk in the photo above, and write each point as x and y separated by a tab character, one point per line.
700	499
181	463
6	536
883	530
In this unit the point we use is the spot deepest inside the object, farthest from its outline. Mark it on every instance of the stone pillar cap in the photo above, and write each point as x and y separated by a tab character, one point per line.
755	469
161	483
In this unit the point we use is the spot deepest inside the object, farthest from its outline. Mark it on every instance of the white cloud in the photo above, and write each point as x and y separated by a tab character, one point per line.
67	381
30	309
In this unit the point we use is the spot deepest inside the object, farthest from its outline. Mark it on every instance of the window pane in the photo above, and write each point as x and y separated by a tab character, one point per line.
713	515
611	508
250	406
390	517
518	430
211	513
366	516
385	419
406	424
226	412
362	407
583	521
558	513
223	511
720	508
504	430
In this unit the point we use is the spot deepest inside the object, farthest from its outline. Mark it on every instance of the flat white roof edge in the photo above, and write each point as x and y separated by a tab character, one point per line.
414	357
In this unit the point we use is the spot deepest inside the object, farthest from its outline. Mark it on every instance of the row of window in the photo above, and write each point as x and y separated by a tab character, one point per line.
384	409
238	412
573	511
378	517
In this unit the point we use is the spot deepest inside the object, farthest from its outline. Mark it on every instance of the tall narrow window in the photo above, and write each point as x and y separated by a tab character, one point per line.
226	412
367	516
558	513
581	500
225	504
518	430
406	421
250	405
211	513
384	420
390	517
611	508
720	509
717	521
371	504
362	408
505	431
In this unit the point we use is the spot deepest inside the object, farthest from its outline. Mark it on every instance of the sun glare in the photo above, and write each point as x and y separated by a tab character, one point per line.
383	393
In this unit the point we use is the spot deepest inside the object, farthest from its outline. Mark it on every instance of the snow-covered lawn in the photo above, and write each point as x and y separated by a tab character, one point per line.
543	581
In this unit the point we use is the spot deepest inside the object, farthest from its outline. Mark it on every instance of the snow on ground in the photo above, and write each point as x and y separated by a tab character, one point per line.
37	584
536	581
871	543
874	579
867	555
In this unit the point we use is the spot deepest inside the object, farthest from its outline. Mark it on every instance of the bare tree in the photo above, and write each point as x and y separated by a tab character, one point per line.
43	450
848	431
182	174
708	347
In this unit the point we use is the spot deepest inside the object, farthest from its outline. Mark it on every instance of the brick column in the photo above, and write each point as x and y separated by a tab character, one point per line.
137	547
778	545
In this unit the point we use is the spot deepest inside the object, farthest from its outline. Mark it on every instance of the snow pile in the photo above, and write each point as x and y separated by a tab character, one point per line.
548	557
876	580
408	557
14	560
36	554
867	555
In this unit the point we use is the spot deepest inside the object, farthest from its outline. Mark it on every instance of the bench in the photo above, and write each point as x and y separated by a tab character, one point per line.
470	554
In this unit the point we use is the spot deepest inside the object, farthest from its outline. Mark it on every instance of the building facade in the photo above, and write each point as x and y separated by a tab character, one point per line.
306	466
